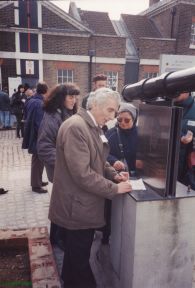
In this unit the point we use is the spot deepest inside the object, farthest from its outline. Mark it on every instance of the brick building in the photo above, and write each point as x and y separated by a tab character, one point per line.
39	41
166	27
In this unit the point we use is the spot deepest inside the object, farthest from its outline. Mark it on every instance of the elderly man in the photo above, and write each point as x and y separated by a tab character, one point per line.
81	183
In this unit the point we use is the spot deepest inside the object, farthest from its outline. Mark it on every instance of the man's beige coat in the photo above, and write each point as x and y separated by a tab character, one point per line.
80	185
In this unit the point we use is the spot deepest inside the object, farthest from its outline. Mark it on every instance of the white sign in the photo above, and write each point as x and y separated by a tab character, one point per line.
13	84
29	67
170	63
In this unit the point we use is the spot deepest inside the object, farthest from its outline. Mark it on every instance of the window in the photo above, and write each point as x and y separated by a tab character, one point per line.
64	76
112	80
192	36
192	40
150	74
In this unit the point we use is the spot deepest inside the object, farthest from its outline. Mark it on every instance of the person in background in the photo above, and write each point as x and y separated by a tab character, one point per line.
99	81
29	91
82	180
33	116
186	171
4	110
59	105
123	142
17	107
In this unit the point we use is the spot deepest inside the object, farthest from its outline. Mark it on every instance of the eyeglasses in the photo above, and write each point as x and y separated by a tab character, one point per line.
126	120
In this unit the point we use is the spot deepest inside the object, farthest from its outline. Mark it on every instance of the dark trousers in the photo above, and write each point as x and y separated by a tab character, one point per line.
57	236
20	125
36	171
76	270
106	230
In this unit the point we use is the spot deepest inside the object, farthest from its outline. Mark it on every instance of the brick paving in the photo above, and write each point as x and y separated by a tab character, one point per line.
21	208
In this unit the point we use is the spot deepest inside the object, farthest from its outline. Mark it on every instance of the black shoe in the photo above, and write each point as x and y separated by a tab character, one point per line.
39	190
44	184
3	191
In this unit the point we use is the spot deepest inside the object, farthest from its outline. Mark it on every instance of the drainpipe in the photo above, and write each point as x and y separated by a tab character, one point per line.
173	13
91	55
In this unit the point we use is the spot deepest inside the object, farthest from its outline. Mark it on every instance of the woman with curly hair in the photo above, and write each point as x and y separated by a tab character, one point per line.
60	104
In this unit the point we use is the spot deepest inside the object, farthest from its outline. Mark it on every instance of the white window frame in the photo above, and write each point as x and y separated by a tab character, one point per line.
150	75
112	79
65	75
192	36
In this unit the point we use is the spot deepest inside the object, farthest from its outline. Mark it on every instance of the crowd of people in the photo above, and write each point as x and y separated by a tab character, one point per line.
87	162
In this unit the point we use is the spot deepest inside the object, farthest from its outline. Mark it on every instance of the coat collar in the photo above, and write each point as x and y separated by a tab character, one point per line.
83	113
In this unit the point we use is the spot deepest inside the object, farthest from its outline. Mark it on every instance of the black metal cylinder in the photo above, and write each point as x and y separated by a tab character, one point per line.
167	85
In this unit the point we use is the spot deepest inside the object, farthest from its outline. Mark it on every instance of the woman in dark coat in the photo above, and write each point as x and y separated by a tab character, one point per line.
17	108
123	139
123	142
60	104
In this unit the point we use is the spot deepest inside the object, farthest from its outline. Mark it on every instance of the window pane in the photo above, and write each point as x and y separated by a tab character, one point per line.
70	73
65	75
112	80
59	73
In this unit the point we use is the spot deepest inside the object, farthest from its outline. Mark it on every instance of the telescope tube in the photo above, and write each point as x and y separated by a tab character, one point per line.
166	85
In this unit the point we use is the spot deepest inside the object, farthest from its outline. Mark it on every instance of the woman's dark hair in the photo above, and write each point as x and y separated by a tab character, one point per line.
20	86
56	97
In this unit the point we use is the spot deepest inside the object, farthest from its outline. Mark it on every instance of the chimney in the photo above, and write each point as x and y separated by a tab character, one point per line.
152	2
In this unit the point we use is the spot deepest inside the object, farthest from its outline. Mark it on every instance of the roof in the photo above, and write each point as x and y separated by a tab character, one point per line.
65	16
140	26
131	51
99	22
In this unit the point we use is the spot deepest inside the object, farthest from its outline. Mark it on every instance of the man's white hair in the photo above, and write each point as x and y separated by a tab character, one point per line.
100	96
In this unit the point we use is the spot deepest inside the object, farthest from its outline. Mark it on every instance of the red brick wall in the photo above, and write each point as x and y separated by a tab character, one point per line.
152	48
147	69
7	41
65	45
163	22
81	71
108	46
50	19
103	46
184	29
181	27
7	15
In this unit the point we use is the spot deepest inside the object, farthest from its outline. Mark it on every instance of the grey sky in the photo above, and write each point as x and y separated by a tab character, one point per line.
113	7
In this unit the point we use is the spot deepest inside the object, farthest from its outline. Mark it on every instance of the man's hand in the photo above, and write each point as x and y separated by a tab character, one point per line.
118	165
121	177
187	138
124	187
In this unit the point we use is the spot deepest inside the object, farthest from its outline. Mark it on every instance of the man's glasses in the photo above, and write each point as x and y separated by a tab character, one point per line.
126	120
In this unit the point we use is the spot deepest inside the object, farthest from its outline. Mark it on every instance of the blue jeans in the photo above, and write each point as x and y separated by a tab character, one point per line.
12	120
5	118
